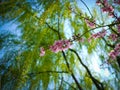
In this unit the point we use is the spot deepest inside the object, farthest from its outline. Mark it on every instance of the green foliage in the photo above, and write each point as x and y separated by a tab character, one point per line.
40	23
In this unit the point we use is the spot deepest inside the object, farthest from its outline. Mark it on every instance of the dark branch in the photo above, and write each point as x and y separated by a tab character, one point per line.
95	81
73	76
41	72
51	28
68	66
112	46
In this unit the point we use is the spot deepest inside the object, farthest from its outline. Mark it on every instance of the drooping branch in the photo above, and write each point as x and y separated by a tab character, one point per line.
68	84
87	8
98	84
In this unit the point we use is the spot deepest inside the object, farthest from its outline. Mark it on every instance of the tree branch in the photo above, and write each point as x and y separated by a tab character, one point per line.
41	72
80	88
98	84
112	46
51	28
68	66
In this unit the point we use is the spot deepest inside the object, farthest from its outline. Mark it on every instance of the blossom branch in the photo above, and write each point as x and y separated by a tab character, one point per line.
68	66
99	27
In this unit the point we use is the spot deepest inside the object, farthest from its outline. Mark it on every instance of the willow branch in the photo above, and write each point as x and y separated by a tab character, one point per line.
51	27
60	88
86	7
95	81
68	84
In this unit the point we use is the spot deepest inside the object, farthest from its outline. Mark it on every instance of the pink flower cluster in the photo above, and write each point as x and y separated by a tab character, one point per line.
89	23
60	45
98	35
116	52
42	51
113	37
106	7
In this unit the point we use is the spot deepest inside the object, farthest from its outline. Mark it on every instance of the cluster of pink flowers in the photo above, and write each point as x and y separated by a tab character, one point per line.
90	23
113	37
105	6
60	45
116	52
98	35
118	27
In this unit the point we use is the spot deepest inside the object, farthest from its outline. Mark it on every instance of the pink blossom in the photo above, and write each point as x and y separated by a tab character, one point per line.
113	37
99	34
106	7
117	49
116	52
112	54
42	51
60	45
110	14
90	24
118	27
98	2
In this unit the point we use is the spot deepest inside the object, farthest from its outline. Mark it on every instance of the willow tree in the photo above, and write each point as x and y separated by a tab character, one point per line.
55	36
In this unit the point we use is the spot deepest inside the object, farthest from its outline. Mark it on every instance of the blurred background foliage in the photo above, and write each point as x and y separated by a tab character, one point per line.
21	67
